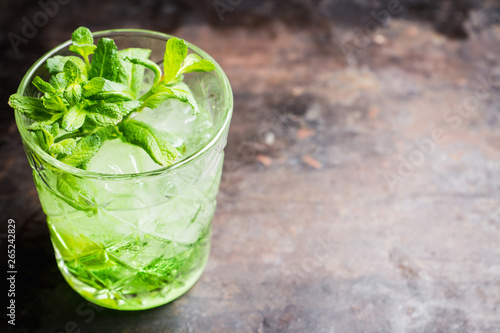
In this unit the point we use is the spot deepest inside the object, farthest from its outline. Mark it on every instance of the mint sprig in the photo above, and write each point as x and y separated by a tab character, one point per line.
130	75
56	64
83	44
175	54
104	62
176	62
75	192
159	145
31	107
85	102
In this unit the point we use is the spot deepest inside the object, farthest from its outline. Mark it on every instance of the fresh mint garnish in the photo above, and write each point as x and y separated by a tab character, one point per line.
56	64
105	60
194	63
75	192
175	54
159	145
108	90
31	107
162	93
43	86
88	101
83	44
63	147
72	73
149	65
84	150
176	62
130	75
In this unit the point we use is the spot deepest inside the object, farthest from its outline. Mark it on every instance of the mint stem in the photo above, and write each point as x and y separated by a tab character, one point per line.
87	63
147	95
128	116
67	136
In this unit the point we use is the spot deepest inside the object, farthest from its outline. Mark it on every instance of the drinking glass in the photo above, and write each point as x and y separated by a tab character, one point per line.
133	241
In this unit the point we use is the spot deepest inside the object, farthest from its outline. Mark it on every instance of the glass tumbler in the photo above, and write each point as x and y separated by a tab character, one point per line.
133	241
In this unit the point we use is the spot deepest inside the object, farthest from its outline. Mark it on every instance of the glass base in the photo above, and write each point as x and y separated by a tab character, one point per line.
119	298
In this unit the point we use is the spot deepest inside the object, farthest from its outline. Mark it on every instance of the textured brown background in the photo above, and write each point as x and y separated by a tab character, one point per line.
309	235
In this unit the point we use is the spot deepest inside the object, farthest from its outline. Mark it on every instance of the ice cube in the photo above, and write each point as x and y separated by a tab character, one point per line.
176	117
172	116
118	157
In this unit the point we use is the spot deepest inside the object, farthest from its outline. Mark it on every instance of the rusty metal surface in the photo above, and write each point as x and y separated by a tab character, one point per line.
362	177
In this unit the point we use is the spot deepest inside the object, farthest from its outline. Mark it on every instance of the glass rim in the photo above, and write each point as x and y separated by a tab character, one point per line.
29	140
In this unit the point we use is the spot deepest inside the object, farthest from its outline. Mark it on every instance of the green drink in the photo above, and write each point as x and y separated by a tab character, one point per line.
129	233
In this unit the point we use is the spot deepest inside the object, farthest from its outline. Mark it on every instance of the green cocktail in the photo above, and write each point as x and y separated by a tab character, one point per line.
129	233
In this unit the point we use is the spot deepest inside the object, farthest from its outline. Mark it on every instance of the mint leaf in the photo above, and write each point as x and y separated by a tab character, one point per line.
157	99
146	137
93	86
85	149
193	63
44	123
175	53
75	192
58	81
107	114
72	73
178	79
74	119
83	42
53	129
174	140
149	65
182	95
44	138
31	107
56	64
104	61
129	74
127	107
63	147
110	90
105	133
103	120
73	93
43	86
54	103
104	114
82	37
186	97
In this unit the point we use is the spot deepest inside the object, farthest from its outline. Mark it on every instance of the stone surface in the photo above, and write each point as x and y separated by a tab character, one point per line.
361	190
